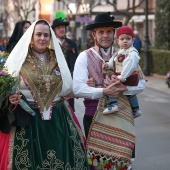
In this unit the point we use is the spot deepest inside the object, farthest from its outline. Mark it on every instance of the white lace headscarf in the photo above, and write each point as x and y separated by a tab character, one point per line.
19	53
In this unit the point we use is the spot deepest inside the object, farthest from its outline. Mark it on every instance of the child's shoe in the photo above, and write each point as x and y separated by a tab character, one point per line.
111	109
137	114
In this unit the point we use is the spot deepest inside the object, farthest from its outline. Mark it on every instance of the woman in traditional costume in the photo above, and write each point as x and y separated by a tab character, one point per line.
48	135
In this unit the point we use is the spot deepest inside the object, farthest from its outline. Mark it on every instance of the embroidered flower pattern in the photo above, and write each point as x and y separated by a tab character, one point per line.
51	161
120	57
21	158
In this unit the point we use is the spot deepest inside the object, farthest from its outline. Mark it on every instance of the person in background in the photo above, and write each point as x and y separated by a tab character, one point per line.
68	47
78	41
137	42
168	74
4	43
89	42
51	138
19	30
69	35
0	40
168	78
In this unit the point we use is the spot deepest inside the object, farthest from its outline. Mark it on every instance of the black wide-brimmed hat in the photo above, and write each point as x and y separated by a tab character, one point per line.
103	20
58	22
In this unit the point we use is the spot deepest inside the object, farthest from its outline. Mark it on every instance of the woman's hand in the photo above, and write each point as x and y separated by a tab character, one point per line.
14	99
69	96
90	82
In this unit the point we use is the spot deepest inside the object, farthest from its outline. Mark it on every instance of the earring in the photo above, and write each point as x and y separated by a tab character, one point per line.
31	45
48	46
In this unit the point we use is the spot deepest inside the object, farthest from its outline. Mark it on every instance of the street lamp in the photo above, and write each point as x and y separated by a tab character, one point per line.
146	68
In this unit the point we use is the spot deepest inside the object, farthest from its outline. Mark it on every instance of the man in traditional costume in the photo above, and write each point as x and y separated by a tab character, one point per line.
110	138
68	46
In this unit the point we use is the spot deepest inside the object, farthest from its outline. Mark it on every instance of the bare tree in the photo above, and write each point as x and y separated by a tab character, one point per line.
127	13
6	14
16	10
24	8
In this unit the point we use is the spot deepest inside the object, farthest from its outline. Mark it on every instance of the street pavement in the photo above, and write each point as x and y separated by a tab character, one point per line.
157	82
153	127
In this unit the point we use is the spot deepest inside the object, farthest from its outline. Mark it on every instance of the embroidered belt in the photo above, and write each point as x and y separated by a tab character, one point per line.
55	103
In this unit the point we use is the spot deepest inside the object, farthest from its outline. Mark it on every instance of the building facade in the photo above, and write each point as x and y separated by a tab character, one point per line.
82	14
78	14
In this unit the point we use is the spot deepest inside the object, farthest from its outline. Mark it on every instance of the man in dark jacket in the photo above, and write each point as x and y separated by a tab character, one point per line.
137	42
68	46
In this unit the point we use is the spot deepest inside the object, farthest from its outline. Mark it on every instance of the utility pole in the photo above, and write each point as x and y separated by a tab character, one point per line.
146	68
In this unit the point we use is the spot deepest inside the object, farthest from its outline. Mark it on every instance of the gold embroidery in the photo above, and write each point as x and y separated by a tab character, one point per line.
79	155
51	162
43	70
45	85
22	158
11	146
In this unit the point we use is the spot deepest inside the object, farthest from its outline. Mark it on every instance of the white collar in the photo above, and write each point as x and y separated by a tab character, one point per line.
105	51
60	42
126	51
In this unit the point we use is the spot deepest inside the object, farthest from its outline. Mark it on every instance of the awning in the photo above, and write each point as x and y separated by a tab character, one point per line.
141	18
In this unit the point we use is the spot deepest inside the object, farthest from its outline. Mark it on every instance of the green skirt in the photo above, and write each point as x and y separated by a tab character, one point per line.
49	144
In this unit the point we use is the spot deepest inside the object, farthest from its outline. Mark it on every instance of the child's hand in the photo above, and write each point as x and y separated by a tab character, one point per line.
114	77
105	66
109	80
